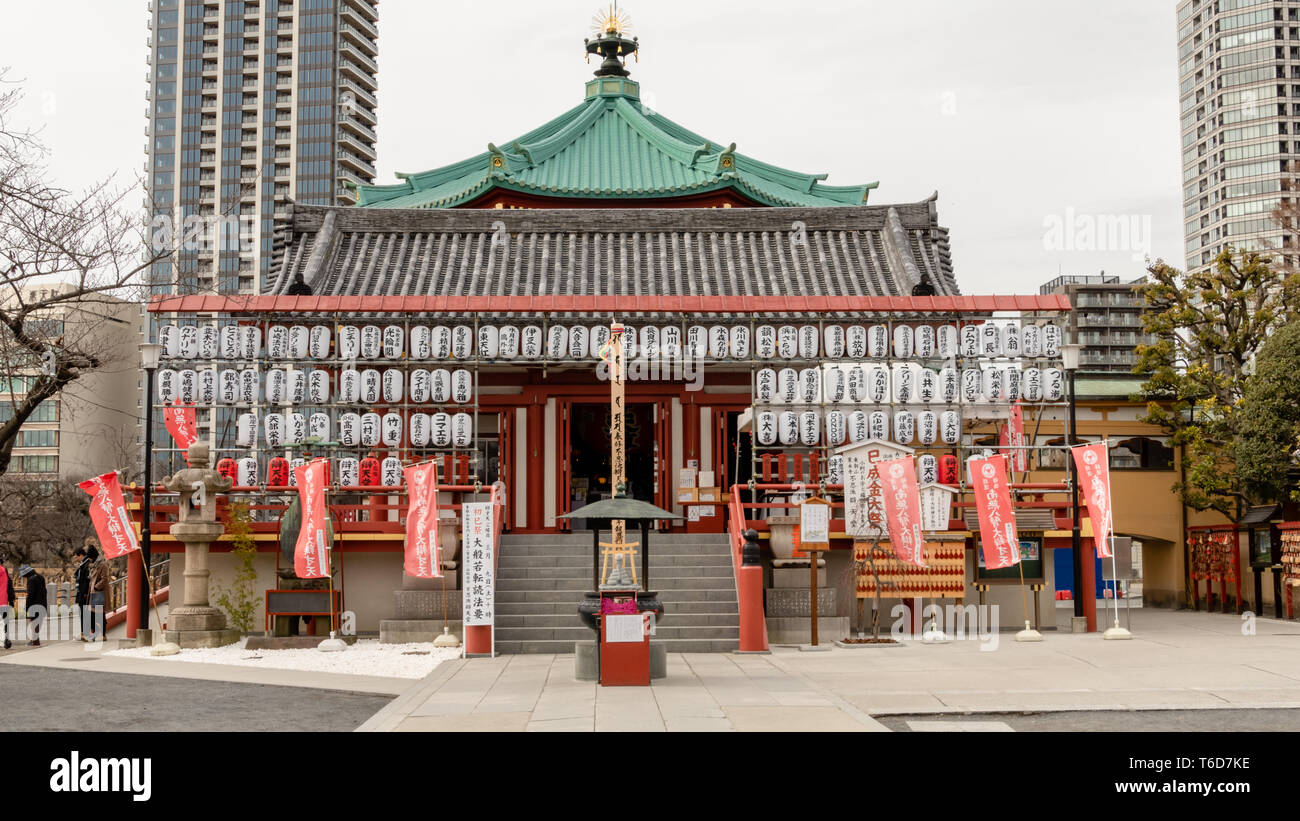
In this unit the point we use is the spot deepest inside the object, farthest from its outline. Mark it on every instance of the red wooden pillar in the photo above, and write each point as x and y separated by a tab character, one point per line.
536	472
133	581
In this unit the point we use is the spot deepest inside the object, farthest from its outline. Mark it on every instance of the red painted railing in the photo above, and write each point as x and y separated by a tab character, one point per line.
749	582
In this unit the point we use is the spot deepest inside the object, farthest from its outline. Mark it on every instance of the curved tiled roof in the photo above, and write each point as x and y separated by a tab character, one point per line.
611	146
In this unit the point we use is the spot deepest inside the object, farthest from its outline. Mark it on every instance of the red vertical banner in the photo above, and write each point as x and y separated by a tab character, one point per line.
1016	439
181	424
309	553
422	550
998	539
108	514
1092	464
903	508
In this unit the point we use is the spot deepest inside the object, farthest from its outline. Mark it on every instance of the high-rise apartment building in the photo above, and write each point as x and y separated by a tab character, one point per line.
1239	93
1107	320
252	103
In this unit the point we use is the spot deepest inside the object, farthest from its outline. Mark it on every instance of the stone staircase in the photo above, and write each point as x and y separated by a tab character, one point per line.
541	579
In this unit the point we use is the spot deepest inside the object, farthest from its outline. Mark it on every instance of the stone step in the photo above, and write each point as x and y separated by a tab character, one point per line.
582	633
584	561
576	551
582	585
670	619
563	647
569	607
574	596
668	572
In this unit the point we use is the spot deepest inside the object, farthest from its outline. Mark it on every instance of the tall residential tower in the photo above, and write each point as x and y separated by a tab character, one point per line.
1239	92
253	103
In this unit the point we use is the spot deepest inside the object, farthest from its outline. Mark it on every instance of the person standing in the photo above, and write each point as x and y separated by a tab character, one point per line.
100	578
6	605
36	605
81	578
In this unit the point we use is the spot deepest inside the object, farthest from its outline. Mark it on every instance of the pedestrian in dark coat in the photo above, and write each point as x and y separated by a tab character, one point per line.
7	605
100	578
36	602
81	578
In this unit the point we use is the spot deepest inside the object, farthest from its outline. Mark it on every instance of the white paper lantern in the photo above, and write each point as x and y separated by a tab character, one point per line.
273	424
392	386
837	383
1052	339
209	342
349	386
462	342
248	383
787	385
169	338
970	340
390	430
599	337
189	343
247	472
277	342
1011	340
187	386
719	342
808	339
833	341
903	341
230	342
294	464
810	433
371	386
422	342
1031	385
855	340
649	342
228	386
372	342
950	427
945	341
349	430
904	383
349	472
765	386
927	386
420	386
207	387
419	430
697	342
994	385
442	342
246	430
787	342
924	341
557	342
462	430
765	341
318	346
990	340
462	386
878	425
765	424
299	341
295	428
789	427
250	339
318	426
810	386
927	467
631	344
1031	341
949	386
904	427
739	342
390	472
579	341
1011	382
349	347
441	434
857	384
369	430
972	384
670	342
297	387
835	470
392	342
1053	384
859	427
440	386
878	384
275	386
836	428
927	425
877	342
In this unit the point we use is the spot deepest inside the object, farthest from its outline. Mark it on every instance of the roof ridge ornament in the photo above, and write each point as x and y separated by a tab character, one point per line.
612	27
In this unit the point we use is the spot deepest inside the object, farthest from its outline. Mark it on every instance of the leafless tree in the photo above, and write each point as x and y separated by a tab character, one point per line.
42	522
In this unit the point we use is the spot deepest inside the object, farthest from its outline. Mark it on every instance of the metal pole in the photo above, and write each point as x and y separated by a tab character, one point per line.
1074	506
145	556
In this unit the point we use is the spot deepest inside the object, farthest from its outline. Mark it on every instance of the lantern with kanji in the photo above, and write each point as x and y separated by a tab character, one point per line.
227	468
948	474
277	472
370	472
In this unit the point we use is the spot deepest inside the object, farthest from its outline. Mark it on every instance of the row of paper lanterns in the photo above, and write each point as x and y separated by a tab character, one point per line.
580	342
367	430
905	383
352	472
369	387
790	428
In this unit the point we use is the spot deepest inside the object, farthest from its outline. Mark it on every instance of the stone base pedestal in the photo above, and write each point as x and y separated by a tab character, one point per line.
586	655
830	629
415	631
1078	624
187	619
789	578
792	602
200	639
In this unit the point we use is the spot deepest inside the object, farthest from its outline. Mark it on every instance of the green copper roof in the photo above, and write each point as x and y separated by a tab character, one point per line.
610	146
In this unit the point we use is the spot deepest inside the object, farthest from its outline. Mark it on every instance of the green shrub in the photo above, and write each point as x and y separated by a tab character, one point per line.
240	599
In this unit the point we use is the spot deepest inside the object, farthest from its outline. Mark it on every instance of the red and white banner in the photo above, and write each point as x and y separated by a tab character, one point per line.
1092	463
1016	439
182	425
309	553
998	538
903	508
108	514
422	549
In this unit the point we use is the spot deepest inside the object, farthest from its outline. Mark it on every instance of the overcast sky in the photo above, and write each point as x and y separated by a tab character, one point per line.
1031	119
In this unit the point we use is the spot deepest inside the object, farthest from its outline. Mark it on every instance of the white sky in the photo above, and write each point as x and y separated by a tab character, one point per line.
1018	112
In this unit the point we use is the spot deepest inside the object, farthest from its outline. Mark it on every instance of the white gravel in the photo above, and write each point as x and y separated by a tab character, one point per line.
365	658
